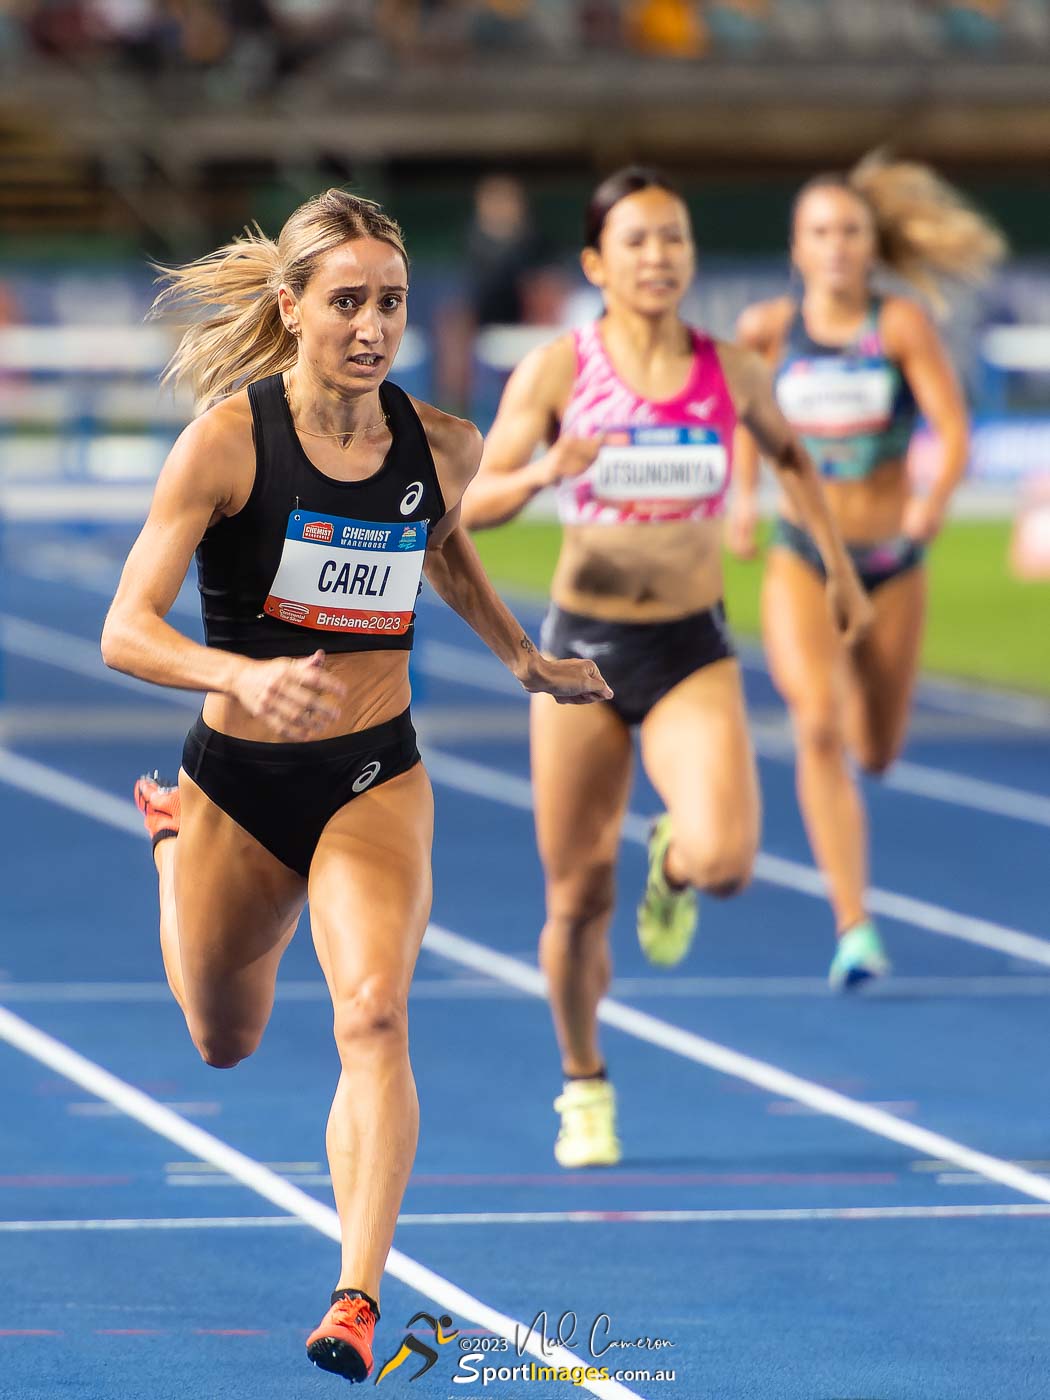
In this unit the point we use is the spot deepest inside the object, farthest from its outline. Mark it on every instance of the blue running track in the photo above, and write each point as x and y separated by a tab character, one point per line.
785	1244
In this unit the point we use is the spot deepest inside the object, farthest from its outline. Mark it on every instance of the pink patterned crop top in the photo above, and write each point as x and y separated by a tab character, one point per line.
663	461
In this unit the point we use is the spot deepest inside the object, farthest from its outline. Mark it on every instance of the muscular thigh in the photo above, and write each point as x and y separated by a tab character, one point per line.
581	775
807	660
697	753
883	670
370	887
237	907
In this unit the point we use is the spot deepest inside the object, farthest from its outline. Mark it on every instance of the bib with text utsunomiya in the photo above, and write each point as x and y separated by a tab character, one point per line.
657	465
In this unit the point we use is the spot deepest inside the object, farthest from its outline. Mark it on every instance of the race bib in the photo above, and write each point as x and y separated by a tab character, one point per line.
838	398
660	464
340	575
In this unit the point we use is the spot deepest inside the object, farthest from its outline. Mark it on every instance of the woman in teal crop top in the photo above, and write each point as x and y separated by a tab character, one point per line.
853	372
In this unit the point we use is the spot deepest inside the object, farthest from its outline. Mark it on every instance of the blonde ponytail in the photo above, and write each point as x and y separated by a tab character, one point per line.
239	335
927	233
243	338
925	230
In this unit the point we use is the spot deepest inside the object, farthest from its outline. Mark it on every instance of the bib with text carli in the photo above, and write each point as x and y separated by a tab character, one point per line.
339	575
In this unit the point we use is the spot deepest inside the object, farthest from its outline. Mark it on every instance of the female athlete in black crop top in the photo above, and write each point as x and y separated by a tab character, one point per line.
314	500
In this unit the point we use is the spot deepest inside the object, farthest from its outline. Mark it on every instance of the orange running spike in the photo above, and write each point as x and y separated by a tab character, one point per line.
343	1342
160	805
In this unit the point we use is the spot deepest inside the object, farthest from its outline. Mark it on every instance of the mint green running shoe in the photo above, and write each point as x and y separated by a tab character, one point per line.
860	957
667	918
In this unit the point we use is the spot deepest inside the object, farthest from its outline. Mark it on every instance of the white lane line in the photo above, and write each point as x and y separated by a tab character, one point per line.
449	1220
781	1083
178	1222
53	786
444	661
465	667
260	1179
648	1028
1004	985
996	798
480	780
72	653
726	1217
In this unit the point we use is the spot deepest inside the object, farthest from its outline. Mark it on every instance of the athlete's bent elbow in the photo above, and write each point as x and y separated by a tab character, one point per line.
474	516
112	644
793	460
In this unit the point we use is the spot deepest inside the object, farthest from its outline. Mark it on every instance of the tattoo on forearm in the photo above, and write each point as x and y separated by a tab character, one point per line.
526	645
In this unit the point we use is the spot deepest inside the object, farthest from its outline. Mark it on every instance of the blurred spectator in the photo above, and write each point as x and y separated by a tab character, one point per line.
973	24
511	281
601	24
423	30
252	44
502	24
671	28
10	315
59	27
503	252
738	24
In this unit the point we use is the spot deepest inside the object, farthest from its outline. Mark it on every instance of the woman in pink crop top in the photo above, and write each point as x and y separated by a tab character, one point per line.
637	413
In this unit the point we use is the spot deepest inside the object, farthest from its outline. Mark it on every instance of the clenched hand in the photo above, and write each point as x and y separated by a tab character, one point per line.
297	699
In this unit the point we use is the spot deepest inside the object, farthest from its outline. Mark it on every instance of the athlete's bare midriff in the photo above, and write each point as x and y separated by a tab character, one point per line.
869	510
639	573
377	689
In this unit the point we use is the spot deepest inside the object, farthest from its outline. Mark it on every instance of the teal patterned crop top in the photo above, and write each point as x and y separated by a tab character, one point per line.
850	404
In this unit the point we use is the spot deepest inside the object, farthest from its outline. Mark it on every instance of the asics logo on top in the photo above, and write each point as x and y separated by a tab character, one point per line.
366	777
703	408
412	498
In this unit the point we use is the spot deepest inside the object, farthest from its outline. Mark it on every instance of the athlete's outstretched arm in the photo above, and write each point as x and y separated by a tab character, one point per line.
742	517
194	490
528	417
756	329
912	340
751	386
455	572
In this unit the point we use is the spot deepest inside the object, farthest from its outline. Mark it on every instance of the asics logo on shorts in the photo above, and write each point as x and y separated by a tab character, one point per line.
366	777
412	498
590	650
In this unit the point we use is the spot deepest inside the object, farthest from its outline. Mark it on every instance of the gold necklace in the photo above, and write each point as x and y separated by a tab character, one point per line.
345	439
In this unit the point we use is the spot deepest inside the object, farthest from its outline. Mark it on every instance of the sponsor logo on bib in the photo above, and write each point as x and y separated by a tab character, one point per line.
320	530
292	612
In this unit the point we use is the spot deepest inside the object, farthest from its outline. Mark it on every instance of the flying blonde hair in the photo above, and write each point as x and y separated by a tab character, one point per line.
925	230
240	337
